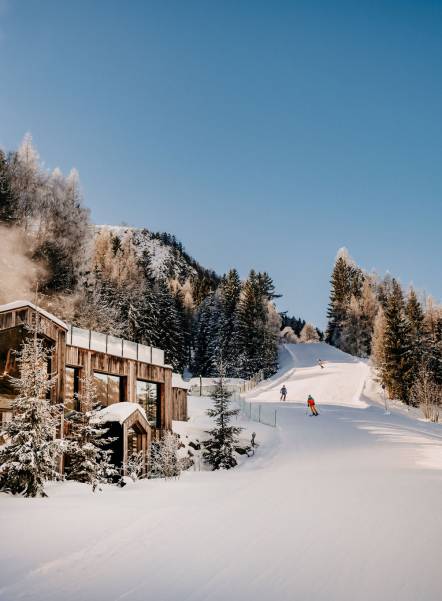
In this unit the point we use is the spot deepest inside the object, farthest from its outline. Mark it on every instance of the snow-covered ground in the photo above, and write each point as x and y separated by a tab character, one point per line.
344	506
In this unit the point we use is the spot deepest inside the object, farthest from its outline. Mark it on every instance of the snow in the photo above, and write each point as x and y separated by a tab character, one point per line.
118	412
338	507
178	382
20	304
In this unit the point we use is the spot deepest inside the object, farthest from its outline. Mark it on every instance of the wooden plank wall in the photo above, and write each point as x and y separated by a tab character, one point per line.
179	404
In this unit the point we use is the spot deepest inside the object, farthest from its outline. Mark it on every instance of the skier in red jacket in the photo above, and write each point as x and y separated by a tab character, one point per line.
311	404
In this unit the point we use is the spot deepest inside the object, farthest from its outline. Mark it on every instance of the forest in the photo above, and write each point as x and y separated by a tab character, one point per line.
126	281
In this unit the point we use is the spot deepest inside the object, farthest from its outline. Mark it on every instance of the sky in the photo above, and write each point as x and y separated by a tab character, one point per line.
262	134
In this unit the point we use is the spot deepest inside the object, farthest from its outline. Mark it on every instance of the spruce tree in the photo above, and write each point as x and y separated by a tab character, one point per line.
397	372
7	205
230	291
30	455
342	288
219	449
87	444
415	318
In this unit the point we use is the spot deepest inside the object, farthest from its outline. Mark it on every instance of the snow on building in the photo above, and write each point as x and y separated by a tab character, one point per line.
132	380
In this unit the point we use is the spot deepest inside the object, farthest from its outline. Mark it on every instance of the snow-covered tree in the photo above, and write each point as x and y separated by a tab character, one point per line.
89	455
426	393
219	449
164	460
30	454
309	333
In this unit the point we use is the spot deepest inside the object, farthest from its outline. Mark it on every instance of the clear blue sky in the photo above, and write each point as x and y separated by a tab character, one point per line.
264	134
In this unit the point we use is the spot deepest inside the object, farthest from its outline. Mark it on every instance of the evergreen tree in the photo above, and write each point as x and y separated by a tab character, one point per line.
169	333
206	340
219	449
230	292
256	342
346	281
87	448
30	454
397	372
415	318
7	204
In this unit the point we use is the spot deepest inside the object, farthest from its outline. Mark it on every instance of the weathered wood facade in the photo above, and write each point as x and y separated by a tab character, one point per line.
179	404
121	378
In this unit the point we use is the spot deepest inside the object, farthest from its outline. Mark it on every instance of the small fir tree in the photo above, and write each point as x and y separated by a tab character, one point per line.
30	455
89	459
219	449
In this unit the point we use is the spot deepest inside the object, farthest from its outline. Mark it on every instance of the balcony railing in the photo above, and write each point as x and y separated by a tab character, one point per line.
112	345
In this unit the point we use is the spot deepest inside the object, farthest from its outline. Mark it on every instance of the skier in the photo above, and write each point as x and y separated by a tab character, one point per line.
283	392
311	404
321	363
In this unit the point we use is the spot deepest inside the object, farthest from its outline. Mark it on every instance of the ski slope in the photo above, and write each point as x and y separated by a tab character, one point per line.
340	382
342	507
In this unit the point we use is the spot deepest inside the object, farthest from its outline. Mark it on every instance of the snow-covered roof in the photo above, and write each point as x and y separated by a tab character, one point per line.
178	382
21	304
118	412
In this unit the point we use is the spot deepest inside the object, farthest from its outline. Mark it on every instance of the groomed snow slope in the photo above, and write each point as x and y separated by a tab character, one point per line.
341	507
340	382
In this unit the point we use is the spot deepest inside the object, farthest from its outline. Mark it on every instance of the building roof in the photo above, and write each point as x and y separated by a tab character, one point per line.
118	412
22	304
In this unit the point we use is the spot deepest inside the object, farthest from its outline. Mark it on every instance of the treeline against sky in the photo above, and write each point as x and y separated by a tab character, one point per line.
108	280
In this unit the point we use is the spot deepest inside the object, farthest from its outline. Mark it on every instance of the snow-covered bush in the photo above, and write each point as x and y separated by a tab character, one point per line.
134	467
427	394
31	453
164	461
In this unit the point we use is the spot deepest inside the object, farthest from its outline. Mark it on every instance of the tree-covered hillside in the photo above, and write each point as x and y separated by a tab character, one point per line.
126	281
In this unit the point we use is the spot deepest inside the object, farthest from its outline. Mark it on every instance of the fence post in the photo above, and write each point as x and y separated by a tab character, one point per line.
275	418
259	414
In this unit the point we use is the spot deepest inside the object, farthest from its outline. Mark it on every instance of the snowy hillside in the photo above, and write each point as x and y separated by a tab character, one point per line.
342	507
166	260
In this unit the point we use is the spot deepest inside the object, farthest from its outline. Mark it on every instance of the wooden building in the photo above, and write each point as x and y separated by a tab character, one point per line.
124	372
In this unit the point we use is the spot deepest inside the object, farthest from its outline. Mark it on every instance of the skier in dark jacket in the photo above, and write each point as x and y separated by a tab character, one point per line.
283	392
311	404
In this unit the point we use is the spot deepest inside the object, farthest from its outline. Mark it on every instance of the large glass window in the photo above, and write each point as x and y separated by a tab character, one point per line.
71	389
148	395
110	389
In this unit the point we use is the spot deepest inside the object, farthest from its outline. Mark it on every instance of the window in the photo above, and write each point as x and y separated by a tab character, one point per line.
148	395
71	389
110	389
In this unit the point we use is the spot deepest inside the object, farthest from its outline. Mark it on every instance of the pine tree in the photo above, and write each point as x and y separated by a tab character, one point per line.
415	318
219	449
30	454
397	372
206	339
346	281
7	204
89	455
230	292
